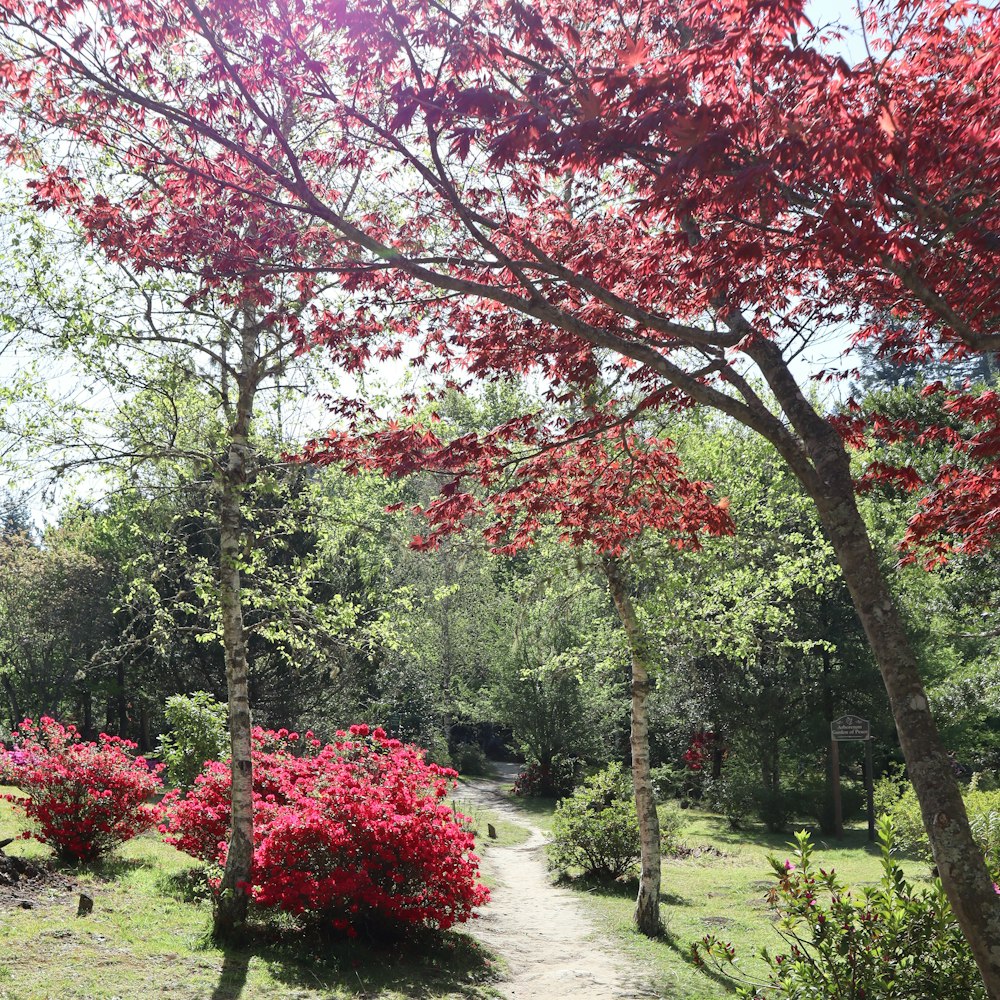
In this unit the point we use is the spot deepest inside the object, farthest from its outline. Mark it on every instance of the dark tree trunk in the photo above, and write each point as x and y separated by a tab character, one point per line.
144	741
647	904
823	466
122	702
717	753
88	715
13	704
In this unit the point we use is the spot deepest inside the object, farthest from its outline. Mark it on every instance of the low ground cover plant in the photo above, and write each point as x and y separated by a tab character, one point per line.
83	798
352	834
894	941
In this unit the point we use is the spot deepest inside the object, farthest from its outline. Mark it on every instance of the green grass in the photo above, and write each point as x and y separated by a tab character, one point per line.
539	812
724	896
148	937
508	834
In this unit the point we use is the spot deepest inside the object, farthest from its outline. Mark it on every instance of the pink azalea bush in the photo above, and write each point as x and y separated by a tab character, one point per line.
83	798
353	833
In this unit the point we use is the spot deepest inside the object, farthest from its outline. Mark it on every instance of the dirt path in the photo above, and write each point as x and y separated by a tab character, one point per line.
553	949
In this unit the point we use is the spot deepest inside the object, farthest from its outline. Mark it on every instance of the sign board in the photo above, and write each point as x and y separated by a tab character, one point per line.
850	727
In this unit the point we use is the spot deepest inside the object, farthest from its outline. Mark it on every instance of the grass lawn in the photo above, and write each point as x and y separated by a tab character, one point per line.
147	938
508	834
719	893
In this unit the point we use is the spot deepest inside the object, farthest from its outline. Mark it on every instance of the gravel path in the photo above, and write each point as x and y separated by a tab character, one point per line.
552	948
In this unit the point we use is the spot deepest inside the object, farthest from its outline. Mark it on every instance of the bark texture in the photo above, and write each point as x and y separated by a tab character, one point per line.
231	911
823	466
647	903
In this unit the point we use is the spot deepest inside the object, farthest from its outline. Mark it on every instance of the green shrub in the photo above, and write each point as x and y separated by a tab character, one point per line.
669	782
816	801
894	941
469	758
436	750
911	837
198	732
595	829
986	780
672	822
734	795
984	817
776	807
889	789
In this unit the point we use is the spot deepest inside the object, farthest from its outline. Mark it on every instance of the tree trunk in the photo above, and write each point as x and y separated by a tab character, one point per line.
88	715
14	705
647	904
959	859
231	910
827	479
144	741
121	700
717	752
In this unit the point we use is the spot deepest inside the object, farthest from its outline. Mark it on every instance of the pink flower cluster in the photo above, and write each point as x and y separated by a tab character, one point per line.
353	833
698	751
83	798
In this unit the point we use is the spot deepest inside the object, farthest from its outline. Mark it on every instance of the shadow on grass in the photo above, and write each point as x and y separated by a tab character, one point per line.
617	888
109	869
602	885
233	974
423	965
188	886
758	836
534	806
684	953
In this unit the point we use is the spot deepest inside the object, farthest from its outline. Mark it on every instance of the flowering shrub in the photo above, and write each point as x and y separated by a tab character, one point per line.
894	941
353	834
11	762
698	753
83	798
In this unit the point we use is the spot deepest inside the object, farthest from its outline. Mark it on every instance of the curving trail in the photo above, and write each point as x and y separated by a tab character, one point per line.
552	947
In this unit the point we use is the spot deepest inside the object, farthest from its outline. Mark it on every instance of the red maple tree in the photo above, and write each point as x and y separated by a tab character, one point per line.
673	196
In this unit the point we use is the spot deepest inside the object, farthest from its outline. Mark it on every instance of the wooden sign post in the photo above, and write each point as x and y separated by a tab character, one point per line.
851	727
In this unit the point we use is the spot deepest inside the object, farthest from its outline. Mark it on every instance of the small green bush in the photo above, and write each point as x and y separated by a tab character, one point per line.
435	749
776	807
669	782
816	801
672	822
198	732
889	789
894	941
469	758
911	837
986	780
595	829
734	795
